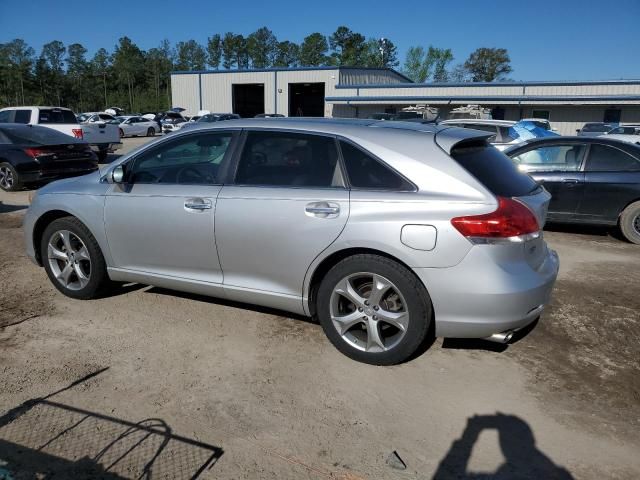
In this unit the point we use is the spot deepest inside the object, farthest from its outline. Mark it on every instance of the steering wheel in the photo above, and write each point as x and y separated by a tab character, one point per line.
190	174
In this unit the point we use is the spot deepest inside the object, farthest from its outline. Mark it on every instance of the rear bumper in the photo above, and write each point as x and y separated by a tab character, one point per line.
48	175
480	297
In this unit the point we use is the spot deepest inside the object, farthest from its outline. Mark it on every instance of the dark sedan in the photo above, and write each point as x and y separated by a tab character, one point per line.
593	180
30	154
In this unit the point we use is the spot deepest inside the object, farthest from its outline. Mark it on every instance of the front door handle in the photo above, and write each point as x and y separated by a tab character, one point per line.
570	180
322	209
197	204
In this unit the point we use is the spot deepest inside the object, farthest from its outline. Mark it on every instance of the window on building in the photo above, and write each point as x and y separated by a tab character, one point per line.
540	114
612	115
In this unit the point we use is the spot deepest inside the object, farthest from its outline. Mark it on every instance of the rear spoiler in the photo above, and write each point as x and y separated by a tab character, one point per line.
451	137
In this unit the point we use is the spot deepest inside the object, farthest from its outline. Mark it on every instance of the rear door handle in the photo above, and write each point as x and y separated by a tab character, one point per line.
197	204
322	209
570	180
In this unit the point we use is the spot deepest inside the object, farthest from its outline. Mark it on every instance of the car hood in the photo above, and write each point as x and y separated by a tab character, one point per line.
89	184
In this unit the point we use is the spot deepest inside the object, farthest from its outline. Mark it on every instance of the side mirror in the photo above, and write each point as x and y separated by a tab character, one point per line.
117	175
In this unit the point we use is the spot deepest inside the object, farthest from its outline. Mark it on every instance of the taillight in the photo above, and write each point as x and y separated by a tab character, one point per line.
512	221
77	133
35	152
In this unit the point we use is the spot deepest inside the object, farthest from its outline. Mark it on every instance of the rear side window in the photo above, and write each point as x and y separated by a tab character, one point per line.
54	115
608	159
494	170
5	116
367	173
22	116
288	159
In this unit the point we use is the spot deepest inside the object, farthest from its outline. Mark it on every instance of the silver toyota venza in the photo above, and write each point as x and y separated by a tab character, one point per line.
381	230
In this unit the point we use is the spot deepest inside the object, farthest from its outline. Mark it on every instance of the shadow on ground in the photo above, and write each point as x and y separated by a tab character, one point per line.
523	460
4	208
46	439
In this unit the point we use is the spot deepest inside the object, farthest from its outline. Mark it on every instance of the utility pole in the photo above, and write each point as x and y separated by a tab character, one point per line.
382	47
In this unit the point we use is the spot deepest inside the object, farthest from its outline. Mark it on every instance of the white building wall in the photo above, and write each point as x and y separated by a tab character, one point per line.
184	92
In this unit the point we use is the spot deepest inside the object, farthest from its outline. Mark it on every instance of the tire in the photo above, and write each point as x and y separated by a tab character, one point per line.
630	223
102	155
9	178
151	132
405	295
96	279
121	133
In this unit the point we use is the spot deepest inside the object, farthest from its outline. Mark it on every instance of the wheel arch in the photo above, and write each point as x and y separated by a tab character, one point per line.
328	262
40	226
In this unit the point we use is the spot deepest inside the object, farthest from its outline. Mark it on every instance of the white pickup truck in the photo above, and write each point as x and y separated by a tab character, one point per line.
103	138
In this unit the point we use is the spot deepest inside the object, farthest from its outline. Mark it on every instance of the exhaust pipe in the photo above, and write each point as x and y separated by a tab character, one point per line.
502	337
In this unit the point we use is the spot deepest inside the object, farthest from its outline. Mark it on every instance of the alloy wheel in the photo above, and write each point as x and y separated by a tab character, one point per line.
636	224
69	260
369	312
6	178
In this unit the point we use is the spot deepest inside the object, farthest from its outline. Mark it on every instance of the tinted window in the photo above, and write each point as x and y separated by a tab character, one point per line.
5	116
603	158
368	173
288	159
36	136
552	158
192	160
55	115
494	170
22	116
596	127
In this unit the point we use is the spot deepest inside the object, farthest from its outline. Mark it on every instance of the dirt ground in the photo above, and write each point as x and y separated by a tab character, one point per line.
152	383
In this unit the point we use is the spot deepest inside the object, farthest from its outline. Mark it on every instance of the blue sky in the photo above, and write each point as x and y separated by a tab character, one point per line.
547	40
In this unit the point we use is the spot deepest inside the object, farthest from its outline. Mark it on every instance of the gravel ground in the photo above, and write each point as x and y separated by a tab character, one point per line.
179	385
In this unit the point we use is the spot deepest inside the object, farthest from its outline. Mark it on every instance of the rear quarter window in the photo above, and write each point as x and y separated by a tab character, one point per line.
54	115
494	170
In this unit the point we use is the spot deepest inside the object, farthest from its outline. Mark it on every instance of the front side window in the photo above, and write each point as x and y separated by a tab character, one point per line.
288	159
5	116
562	158
191	160
365	172
603	158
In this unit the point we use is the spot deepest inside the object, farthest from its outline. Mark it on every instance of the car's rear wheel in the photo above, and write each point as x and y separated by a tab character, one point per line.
73	260
373	309
630	223
9	178
151	132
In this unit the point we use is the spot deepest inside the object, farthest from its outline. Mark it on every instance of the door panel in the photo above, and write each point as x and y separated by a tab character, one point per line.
151	228
566	189
268	236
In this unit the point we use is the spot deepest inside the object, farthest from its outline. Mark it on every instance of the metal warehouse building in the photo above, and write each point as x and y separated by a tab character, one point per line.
360	92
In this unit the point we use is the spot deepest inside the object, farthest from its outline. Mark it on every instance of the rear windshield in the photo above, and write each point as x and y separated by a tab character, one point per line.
36	136
54	115
596	127
494	170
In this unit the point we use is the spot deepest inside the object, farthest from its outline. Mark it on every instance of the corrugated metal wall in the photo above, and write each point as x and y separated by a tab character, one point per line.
185	92
355	76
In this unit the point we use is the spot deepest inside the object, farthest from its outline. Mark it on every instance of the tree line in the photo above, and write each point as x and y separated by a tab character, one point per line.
139	80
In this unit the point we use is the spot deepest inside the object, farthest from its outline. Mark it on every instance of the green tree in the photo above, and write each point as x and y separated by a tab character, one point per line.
101	67
53	54
76	72
414	64
16	63
287	54
127	59
190	56
381	53
421	65
214	51
313	50
228	50
349	48
262	47
488	64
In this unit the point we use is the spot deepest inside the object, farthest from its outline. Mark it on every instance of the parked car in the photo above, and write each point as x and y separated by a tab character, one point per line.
592	180
540	122
96	117
268	115
102	137
594	129
32	155
137	126
377	228
170	125
626	133
211	117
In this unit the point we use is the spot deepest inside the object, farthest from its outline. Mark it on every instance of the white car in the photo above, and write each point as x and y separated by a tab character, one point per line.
499	128
96	117
138	126
625	133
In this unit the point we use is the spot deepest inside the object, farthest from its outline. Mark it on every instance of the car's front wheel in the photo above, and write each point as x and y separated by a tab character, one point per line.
73	259
630	223
151	132
373	309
